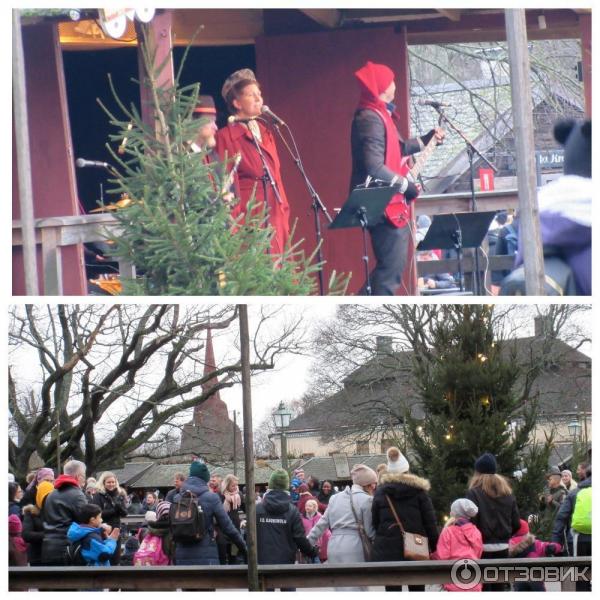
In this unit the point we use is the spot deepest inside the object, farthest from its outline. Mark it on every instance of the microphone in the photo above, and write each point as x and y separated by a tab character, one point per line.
82	162
235	119
433	103
265	110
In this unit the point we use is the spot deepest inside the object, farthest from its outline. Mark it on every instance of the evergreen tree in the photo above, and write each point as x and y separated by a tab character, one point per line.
177	229
467	379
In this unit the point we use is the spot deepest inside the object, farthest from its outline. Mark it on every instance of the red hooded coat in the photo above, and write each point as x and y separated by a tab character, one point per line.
459	540
235	138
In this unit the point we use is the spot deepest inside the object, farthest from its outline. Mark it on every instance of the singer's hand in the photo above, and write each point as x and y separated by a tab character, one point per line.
228	197
412	191
439	134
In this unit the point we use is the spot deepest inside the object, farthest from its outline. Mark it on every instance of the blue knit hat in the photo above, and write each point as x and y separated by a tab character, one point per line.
486	464
199	469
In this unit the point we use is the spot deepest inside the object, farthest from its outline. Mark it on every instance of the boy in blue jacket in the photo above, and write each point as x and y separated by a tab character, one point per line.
92	543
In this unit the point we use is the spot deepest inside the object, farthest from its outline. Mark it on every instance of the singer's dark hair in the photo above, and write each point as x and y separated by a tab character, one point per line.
236	91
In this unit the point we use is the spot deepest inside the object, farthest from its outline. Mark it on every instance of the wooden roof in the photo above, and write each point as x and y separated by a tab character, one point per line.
218	27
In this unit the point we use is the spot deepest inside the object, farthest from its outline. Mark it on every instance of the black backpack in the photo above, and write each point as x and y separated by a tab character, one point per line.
186	519
73	553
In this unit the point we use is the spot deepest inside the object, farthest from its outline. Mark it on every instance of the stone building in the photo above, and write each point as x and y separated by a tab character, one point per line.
367	415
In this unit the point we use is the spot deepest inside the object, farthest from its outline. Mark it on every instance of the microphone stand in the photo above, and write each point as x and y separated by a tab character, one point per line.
317	204
267	176
471	152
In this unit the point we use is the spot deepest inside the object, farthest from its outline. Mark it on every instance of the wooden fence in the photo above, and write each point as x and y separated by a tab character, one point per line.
567	569
55	233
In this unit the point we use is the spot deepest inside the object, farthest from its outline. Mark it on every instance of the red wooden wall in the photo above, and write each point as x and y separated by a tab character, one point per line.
52	162
309	81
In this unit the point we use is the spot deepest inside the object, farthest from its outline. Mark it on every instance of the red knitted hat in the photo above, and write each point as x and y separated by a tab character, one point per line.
14	524
374	78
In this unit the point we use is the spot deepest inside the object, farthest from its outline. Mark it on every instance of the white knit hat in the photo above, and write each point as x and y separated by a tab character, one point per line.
463	507
397	463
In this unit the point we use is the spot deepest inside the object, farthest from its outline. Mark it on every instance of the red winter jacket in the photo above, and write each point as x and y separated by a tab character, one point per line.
459	540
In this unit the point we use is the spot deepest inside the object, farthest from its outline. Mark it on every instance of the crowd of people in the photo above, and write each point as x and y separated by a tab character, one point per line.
377	517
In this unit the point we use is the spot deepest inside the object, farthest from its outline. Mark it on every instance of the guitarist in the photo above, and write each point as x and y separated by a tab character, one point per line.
377	152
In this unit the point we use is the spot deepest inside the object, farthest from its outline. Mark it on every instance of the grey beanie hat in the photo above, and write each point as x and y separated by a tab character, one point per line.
463	507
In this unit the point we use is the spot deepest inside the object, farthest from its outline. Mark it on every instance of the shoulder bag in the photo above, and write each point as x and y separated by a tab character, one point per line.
364	538
416	546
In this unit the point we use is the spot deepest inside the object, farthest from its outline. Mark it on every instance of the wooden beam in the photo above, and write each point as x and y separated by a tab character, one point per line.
586	58
23	157
520	81
451	14
329	18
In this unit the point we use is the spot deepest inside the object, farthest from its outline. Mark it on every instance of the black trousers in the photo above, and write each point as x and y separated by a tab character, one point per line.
496	587
583	548
390	246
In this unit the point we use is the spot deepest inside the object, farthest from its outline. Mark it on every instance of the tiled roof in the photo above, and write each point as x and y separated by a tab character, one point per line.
386	381
481	111
158	475
324	467
131	472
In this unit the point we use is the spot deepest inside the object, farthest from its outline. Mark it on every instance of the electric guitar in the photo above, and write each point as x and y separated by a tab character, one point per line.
398	210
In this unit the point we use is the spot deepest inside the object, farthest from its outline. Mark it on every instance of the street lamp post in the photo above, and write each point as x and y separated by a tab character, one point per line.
282	421
574	428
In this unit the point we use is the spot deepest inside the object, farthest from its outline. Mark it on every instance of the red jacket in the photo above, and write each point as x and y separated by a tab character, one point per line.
235	138
322	542
460	540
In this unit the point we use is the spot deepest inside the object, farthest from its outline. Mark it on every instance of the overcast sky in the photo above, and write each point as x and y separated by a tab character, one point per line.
289	381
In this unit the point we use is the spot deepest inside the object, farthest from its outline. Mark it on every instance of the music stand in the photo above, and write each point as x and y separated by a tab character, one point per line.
456	231
364	208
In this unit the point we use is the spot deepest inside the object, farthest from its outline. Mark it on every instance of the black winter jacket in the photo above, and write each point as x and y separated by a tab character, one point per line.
561	531
61	508
279	530
33	533
367	141
112	505
409	496
498	518
206	548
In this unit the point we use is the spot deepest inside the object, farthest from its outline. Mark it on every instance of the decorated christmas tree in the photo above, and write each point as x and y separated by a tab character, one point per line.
176	227
467	380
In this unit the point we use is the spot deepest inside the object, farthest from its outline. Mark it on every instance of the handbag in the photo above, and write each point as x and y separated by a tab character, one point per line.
364	538
416	546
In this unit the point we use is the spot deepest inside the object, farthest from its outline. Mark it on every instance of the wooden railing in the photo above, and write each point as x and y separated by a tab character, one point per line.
289	576
55	233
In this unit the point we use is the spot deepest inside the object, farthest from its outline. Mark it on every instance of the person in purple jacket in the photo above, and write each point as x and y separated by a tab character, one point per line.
565	205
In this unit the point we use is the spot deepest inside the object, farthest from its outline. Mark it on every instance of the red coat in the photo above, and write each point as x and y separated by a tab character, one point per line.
459	541
235	138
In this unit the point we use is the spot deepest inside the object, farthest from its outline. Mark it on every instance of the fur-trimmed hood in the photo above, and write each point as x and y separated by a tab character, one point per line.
408	479
31	509
525	541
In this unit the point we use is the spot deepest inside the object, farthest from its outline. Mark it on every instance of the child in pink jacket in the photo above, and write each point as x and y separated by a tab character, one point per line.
310	517
525	545
460	539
